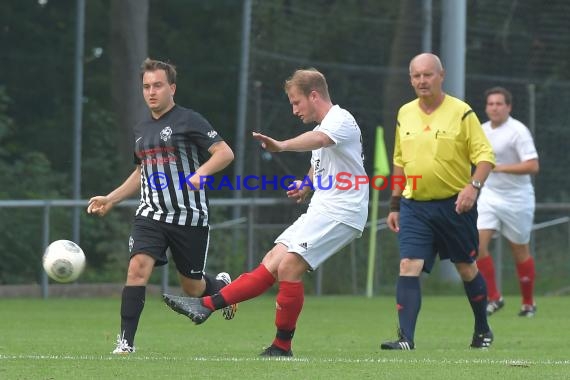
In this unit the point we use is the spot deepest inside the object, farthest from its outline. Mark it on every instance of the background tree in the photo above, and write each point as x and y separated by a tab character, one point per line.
404	46
129	47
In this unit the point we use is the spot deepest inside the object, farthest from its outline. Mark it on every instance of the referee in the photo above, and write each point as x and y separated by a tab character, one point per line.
439	138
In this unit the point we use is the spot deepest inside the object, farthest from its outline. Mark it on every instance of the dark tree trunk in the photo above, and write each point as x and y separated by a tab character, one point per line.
129	47
406	45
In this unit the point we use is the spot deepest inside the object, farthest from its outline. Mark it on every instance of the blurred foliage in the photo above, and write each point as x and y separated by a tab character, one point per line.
509	43
36	116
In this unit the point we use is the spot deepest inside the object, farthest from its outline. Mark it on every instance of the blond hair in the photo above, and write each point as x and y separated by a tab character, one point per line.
308	80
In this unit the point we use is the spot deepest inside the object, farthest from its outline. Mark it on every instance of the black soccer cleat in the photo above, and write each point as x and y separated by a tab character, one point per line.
527	311
229	312
189	307
482	340
494	306
276	351
402	343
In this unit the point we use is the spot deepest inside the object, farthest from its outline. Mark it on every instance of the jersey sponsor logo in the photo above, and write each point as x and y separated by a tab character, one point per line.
303	245
149	156
212	134
159	160
193	271
165	133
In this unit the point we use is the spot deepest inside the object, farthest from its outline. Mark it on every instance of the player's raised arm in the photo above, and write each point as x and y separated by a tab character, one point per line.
303	143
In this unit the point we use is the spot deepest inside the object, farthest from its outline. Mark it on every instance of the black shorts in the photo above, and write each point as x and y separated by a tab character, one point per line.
429	228
188	244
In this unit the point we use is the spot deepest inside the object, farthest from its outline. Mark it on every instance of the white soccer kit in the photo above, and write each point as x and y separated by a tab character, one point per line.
337	212
507	200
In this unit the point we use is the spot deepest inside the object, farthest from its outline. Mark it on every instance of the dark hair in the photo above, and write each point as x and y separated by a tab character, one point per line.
153	65
308	80
500	90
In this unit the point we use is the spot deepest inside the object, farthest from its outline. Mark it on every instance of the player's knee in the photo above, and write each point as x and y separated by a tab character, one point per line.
140	269
411	267
292	268
137	277
466	271
273	258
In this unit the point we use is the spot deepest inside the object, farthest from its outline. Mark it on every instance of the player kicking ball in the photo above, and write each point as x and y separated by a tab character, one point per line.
333	219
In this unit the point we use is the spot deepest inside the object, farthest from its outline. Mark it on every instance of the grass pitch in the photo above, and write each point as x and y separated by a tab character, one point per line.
336	338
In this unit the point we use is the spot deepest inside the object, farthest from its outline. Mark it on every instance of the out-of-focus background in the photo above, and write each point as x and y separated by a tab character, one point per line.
70	93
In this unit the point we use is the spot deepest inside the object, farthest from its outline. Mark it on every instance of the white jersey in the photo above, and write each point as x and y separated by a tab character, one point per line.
512	143
339	200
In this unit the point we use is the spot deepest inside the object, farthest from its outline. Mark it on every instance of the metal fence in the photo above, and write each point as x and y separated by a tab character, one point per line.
346	273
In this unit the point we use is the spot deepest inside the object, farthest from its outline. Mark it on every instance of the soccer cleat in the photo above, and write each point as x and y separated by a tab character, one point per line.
275	351
482	340
123	347
494	306
402	343
527	311
188	306
229	311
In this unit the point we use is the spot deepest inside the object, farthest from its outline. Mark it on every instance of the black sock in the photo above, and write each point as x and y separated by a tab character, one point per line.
213	286
218	301
409	299
132	304
476	291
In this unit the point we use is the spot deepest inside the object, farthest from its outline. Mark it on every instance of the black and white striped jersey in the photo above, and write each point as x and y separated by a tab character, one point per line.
169	150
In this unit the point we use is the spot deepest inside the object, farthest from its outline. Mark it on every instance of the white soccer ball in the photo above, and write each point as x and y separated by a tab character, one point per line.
63	261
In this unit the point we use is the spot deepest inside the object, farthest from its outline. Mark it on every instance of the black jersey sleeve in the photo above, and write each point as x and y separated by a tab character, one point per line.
202	132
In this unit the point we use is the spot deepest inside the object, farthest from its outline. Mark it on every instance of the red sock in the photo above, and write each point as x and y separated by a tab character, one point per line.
487	269
526	274
289	304
246	286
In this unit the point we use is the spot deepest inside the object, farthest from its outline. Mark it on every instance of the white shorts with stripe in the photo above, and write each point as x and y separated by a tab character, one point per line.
316	237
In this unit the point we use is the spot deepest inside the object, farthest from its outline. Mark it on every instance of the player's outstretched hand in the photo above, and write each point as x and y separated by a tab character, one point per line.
99	205
267	143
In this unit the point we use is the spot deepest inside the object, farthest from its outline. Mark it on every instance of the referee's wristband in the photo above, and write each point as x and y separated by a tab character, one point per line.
395	203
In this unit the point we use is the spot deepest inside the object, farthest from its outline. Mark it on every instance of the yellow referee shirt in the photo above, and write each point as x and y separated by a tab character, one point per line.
440	147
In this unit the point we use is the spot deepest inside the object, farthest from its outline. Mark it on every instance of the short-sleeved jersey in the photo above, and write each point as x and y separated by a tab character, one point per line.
512	143
169	150
339	200
439	148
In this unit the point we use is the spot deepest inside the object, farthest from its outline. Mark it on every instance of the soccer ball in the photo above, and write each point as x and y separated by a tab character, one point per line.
63	261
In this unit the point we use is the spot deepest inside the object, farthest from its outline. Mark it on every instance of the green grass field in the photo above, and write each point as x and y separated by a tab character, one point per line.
337	338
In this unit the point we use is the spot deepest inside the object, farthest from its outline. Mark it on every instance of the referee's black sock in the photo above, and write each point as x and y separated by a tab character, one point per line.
476	291
409	300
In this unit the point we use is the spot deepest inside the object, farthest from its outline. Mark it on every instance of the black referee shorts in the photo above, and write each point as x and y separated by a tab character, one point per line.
429	228
188	244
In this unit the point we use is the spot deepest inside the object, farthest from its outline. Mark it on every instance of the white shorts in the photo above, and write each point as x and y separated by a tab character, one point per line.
513	219
316	237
